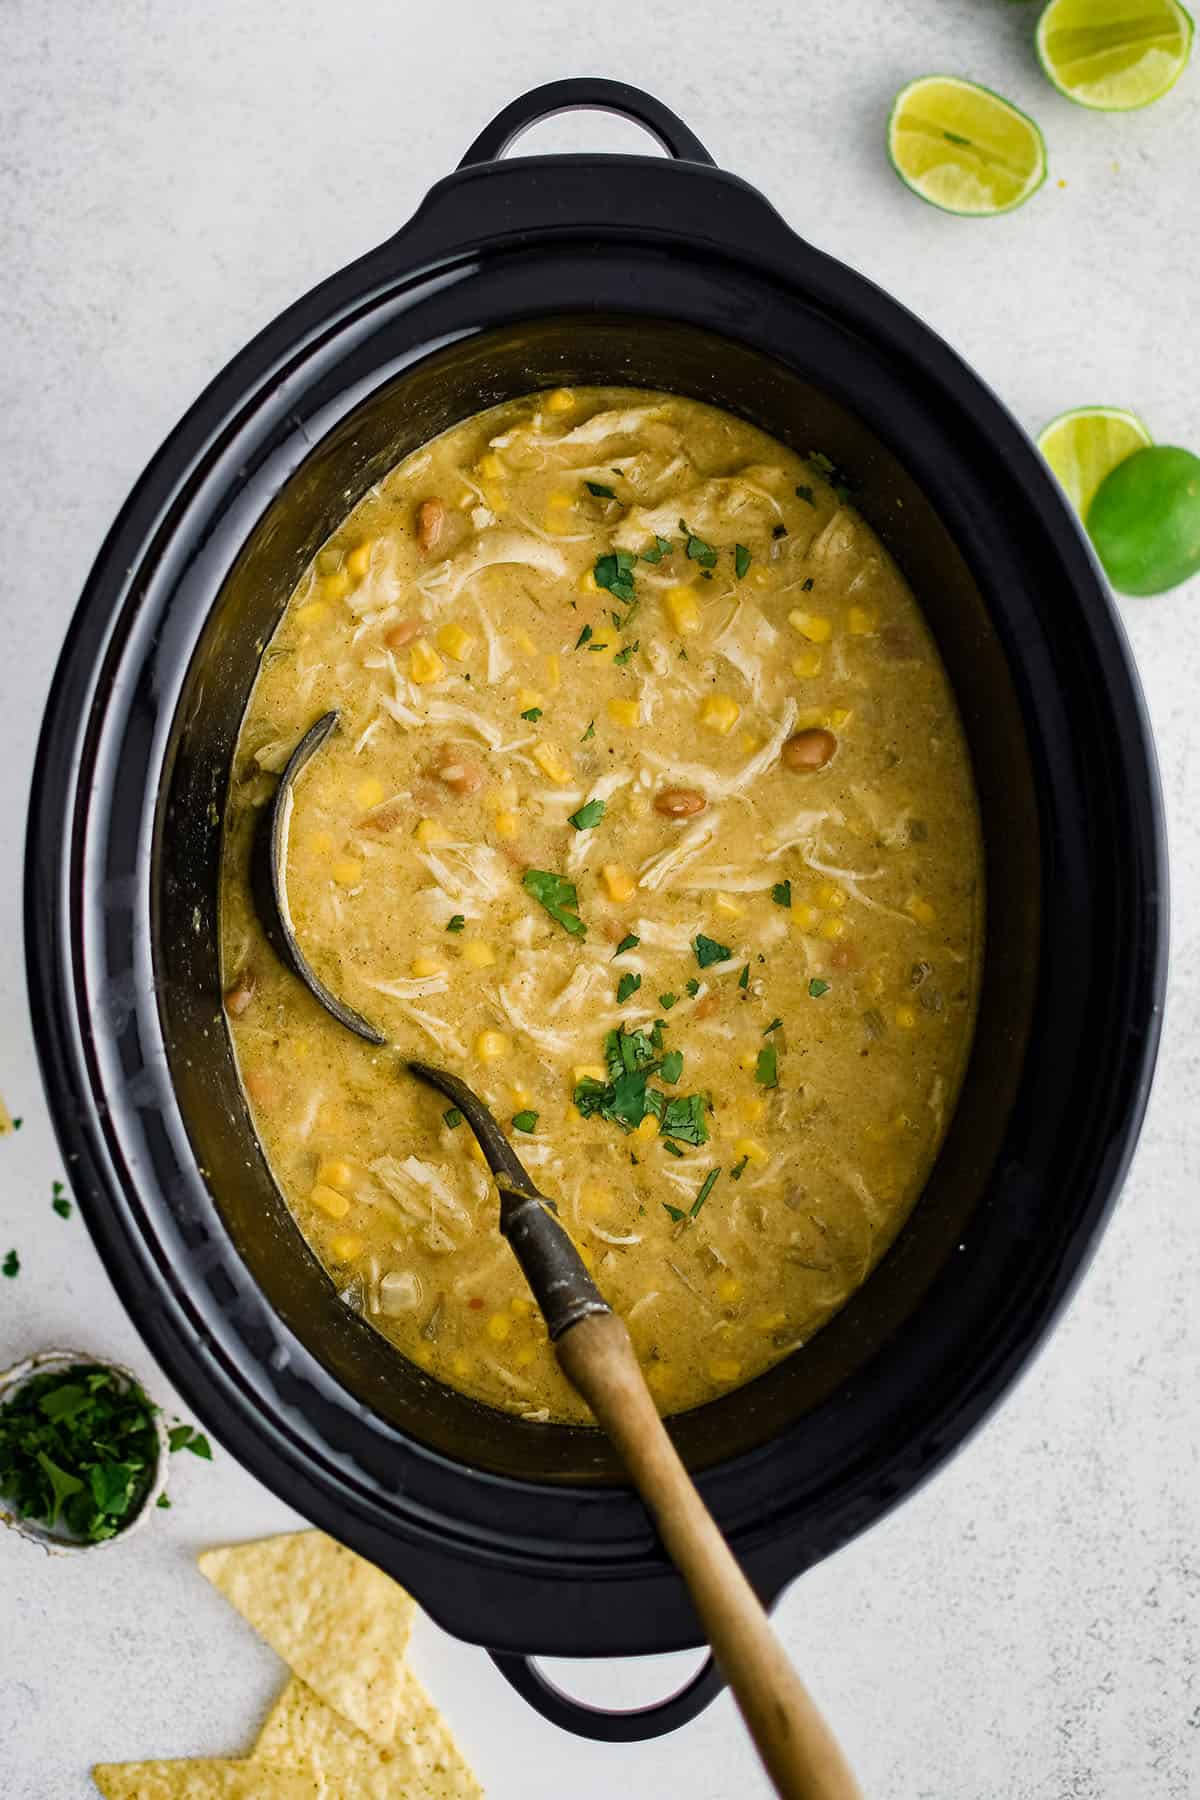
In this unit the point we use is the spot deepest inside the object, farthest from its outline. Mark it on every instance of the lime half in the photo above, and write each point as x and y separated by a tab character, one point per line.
1114	55
1145	520
963	148
1085	445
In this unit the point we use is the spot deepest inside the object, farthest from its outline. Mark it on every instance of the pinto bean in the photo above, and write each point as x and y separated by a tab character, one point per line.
431	522
679	803
385	817
240	993
460	775
706	1006
401	633
809	750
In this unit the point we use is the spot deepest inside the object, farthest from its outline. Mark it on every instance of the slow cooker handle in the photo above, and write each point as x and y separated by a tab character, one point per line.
598	1722
588	93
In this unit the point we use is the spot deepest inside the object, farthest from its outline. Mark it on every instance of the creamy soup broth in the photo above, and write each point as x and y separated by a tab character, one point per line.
649	812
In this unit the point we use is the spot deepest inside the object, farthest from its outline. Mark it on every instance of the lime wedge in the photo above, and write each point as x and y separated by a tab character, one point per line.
963	148
1084	446
1145	520
1114	55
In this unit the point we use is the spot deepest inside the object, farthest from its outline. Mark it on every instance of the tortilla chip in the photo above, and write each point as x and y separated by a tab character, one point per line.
203	1778
422	1762
338	1622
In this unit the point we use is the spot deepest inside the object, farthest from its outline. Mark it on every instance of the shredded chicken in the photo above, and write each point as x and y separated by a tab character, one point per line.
699	775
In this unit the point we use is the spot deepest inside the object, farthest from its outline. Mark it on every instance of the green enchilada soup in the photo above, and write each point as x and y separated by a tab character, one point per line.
650	813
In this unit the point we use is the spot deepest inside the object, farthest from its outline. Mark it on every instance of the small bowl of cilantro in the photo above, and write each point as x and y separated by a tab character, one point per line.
83	1451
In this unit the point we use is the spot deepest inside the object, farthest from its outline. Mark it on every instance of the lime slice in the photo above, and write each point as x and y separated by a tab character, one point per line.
1084	446
1114	55
963	148
1145	520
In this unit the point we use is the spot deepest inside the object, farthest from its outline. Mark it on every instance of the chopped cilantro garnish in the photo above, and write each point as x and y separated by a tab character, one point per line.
709	1183
817	987
615	573
805	494
457	923
741	560
525	1121
744	977
11	1264
671	1067
766	1071
684	1119
692	986
779	531
600	644
697	549
773	1026
588	815
630	942
558	896
601	492
453	1117
532	713
591	730
628	984
781	893
659	548
624	655
708	951
675	1212
672	1149
667	1001
738	1169
583	637
806	586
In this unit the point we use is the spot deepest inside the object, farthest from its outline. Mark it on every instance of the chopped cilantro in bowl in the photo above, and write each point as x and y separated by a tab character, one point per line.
83	1451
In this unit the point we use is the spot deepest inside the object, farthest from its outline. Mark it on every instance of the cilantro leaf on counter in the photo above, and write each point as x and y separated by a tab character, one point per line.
11	1264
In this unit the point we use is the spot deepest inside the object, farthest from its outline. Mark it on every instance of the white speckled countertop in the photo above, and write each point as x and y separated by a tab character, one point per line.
1028	1627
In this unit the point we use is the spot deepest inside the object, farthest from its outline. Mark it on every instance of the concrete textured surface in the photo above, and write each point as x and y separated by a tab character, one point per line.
1028	1627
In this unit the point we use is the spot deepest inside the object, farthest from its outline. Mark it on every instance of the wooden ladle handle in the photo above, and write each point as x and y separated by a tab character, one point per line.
799	1751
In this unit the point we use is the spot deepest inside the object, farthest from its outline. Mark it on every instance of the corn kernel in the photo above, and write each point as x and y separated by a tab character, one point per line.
725	903
920	909
751	1108
806	917
589	1072
490	466
454	641
478	955
521	1096
474	1150
832	928
556	523
321	842
553	674
813	626
521	1305
346	871
840	717
311	613
507	825
504	797
648	1127
460	1365
831	895
424	663
330	1201
724	1368
345	1247
525	1355
588	583
429	832
861	621
335	1173
560	401
526	698
729	1290
359	559
906	1018
369	793
720	713
619	883
747	743
491	1045
336	587
425	966
807	664
625	713
752	1150
682	609
498	1327
769	1322
560	499
748	1059
552	763
524	642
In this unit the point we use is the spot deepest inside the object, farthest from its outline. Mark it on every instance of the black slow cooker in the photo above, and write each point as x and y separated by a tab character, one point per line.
512	276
